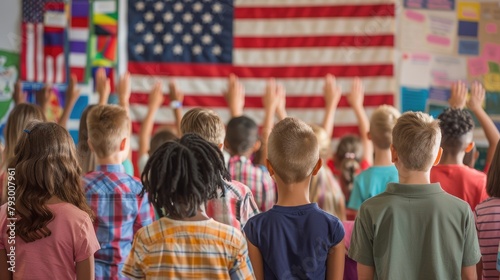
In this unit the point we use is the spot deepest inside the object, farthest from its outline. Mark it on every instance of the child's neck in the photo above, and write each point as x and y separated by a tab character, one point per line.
413	177
113	159
382	157
293	194
448	158
201	215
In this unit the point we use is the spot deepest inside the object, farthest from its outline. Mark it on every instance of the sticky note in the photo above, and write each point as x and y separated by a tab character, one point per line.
468	47
468	10
477	66
491	52
438	40
415	16
491	28
439	93
468	28
491	82
494	67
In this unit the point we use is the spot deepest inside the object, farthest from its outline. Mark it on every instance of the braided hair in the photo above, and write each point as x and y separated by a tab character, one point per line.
456	125
181	175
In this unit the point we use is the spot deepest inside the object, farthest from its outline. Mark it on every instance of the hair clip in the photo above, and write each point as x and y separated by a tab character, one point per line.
350	155
27	131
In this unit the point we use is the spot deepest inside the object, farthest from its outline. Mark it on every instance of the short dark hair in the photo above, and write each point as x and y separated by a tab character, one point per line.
160	137
241	134
456	127
493	179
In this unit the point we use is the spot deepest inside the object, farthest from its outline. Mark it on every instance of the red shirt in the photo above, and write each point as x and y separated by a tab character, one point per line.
461	181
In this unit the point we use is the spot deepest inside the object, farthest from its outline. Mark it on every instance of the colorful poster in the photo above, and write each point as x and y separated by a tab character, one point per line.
9	73
445	5
105	35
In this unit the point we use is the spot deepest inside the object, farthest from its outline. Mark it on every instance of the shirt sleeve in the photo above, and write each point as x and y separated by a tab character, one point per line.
86	243
242	268
472	254
135	264
146	213
338	233
248	208
355	199
361	249
251	232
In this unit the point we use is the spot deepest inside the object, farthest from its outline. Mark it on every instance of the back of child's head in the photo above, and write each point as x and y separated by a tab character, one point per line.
161	136
382	122
416	137
456	129
107	126
85	155
493	180
46	165
323	140
182	175
19	118
293	150
348	155
241	135
205	123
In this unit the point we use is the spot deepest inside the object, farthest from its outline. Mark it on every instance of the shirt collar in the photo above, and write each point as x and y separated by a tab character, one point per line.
111	168
414	190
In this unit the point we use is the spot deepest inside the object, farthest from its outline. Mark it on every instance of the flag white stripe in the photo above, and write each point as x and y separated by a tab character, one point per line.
78	34
49	69
370	26
255	87
308	3
30	52
59	64
39	54
78	59
313	56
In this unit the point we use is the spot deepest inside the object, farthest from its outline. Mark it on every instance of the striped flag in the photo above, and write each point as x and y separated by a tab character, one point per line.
78	34
199	43
42	54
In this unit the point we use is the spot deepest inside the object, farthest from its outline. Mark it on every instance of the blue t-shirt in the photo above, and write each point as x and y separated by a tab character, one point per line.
371	182
294	241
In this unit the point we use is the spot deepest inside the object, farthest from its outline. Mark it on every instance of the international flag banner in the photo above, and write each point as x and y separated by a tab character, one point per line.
78	34
55	23
33	47
298	42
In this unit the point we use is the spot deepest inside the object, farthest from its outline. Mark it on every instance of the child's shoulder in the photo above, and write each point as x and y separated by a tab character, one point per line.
99	181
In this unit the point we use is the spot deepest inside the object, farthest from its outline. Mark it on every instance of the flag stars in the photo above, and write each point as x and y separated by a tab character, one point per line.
159	6
178	7
187	39
217	8
168	17
177	27
139	27
196	49
206	39
139	49
197	7
206	18
168	38
158	49
139	6
216	28
187	17
177	50
216	50
149	16
197	28
158	27
148	38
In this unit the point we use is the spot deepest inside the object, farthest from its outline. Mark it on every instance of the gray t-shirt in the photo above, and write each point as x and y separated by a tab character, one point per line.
415	232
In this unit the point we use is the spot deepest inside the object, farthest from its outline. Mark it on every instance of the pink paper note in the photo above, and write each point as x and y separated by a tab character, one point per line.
491	52
491	28
477	66
415	16
438	40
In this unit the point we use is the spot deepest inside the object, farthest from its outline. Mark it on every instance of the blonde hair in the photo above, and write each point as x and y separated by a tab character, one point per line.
85	156
293	150
382	122
323	140
107	125
416	137
206	123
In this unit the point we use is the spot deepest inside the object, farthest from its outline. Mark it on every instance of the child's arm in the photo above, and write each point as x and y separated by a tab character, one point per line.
256	259
176	97
458	95
72	94
43	98
365	272
85	269
235	96
475	104
270	100
155	101
335	262
331	93
281	109
4	265
355	99
18	95
469	273
102	86
124	92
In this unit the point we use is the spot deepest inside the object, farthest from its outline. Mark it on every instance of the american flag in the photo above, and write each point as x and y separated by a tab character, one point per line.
200	42
43	35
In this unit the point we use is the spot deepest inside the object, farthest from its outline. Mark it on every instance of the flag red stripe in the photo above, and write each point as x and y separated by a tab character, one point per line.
79	72
314	11
23	52
80	22
304	101
317	41
223	70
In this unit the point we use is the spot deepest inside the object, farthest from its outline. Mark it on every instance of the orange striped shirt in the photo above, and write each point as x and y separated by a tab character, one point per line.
173	249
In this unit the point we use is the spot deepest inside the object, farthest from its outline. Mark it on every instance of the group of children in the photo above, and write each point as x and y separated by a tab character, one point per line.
217	201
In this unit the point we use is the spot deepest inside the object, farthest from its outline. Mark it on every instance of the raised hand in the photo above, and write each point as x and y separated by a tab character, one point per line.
357	94
18	95
156	96
175	93
477	96
123	90
72	92
235	96
331	92
272	96
102	86
458	95
281	109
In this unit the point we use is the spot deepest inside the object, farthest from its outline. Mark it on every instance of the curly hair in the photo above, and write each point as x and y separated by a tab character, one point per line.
456	127
182	175
46	166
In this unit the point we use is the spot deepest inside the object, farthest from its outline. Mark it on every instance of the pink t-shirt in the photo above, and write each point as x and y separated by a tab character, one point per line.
54	257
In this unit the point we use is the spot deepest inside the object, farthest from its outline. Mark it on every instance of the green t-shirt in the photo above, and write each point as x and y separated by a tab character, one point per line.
415	232
129	168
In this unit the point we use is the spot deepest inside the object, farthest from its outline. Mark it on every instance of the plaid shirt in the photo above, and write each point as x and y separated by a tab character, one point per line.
114	197
233	207
257	178
172	249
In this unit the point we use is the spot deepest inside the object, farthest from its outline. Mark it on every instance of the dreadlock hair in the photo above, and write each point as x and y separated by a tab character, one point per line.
181	175
456	130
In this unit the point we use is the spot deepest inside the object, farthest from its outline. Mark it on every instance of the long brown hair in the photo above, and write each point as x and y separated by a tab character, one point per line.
46	165
493	180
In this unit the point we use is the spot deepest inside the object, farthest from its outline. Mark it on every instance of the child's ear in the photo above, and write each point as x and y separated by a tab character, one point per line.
394	154
469	147
221	146
369	135
317	167
123	144
438	157
256	146
269	167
